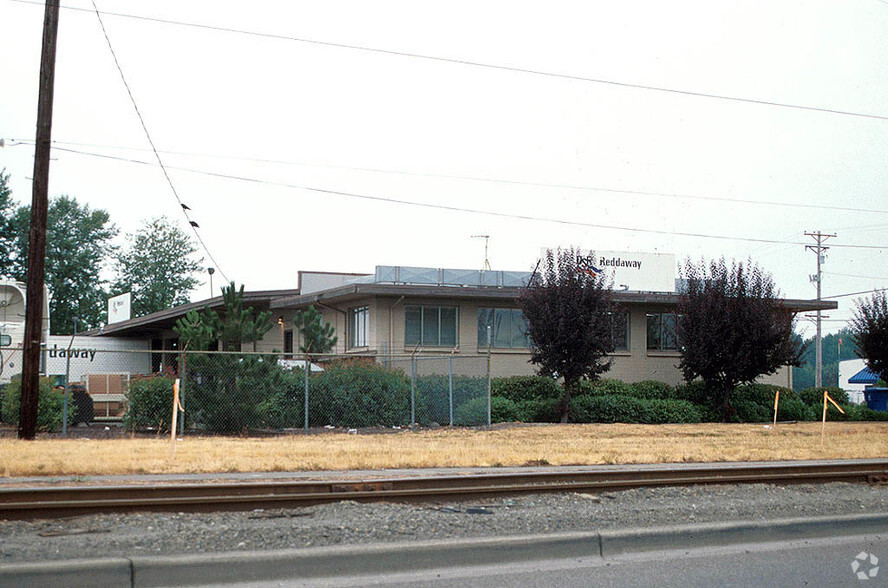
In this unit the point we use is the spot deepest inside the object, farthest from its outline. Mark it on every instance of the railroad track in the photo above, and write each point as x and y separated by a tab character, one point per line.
49	502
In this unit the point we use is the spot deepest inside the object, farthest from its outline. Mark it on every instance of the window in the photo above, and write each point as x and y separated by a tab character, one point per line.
661	332
358	326
5	340
620	330
508	328
432	326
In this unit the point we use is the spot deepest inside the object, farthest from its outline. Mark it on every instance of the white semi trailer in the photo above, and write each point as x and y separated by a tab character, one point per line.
12	326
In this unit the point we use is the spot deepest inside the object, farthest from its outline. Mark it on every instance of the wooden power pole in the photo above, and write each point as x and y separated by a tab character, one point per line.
37	237
819	248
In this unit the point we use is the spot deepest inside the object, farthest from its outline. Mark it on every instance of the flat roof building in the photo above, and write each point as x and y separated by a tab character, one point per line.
401	310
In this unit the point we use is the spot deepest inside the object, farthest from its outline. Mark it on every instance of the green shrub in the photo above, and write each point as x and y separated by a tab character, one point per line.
50	405
858	412
627	409
232	394
791	408
361	394
604	387
694	392
748	411
522	388
149	403
433	397
540	410
474	412
814	396
652	389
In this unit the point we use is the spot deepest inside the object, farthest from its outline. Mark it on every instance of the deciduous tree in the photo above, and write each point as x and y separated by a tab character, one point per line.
869	331
568	316
7	234
157	265
732	328
78	241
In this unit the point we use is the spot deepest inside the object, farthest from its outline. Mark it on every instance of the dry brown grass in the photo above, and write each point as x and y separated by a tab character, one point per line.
506	446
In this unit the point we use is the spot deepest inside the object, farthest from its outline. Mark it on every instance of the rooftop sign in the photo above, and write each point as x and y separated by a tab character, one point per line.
639	272
642	272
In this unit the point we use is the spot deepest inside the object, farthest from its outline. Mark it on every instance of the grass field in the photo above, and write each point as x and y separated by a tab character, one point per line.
505	445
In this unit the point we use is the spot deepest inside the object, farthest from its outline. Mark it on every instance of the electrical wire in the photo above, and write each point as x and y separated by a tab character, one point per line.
577	187
855	293
479	64
169	180
467	210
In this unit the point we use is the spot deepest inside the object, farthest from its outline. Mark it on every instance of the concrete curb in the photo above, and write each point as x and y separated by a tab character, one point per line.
326	562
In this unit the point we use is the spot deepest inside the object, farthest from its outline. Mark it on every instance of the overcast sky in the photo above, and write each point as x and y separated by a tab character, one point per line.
357	133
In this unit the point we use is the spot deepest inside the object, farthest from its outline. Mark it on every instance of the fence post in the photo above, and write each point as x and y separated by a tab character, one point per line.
488	376
307	364
413	391
450	385
183	377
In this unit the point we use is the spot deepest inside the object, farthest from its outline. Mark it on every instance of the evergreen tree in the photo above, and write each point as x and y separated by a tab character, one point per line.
235	326
317	336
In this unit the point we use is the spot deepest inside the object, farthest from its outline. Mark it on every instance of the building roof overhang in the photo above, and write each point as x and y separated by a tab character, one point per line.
354	292
164	320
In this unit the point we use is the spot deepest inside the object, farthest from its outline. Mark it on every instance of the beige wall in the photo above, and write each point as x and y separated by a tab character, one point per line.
386	335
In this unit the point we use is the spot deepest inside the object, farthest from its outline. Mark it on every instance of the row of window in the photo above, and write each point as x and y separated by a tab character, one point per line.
501	328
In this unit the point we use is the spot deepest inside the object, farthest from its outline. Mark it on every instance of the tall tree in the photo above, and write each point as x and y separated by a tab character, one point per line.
568	316
7	230
78	241
732	328
869	328
157	265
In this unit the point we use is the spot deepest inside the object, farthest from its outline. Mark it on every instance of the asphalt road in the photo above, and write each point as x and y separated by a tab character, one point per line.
816	562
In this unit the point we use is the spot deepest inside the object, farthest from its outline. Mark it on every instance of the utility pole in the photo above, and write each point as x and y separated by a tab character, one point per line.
818	248
37	237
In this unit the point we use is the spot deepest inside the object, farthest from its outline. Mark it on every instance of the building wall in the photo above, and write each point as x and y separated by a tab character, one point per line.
387	334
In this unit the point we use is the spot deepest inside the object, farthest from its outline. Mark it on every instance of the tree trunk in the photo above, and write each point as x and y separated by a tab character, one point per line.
563	405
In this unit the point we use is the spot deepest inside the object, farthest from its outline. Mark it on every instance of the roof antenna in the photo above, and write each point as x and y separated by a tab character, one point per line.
486	266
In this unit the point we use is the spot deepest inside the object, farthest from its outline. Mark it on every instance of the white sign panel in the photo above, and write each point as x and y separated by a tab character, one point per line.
119	308
639	272
642	272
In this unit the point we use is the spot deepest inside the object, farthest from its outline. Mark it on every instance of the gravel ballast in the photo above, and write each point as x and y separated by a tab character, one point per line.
348	523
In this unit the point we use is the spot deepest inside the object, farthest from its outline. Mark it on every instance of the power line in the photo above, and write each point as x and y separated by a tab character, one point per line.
464	210
129	92
480	64
577	187
856	293
857	276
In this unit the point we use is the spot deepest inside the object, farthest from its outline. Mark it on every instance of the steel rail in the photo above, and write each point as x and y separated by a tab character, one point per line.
52	502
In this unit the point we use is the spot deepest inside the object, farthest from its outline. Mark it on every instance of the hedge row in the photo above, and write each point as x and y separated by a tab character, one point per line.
227	394
50	405
230	395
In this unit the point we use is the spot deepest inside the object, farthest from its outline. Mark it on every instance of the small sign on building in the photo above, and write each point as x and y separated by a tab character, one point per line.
120	307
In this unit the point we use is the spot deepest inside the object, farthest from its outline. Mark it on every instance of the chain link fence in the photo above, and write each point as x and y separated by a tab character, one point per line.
243	393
